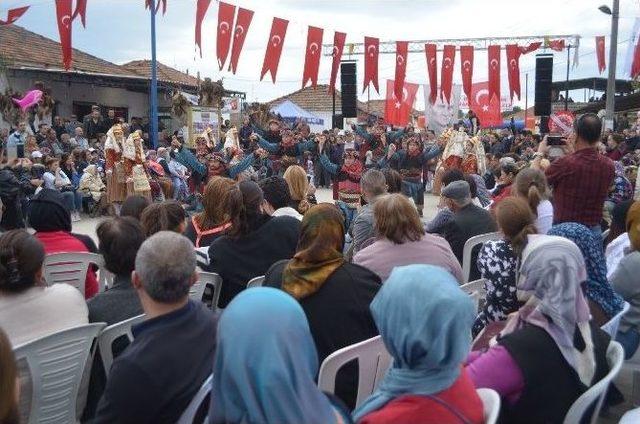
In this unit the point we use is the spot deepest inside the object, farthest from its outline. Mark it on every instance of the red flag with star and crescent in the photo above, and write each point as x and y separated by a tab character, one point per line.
513	69
402	51
225	23
371	51
466	67
600	53
494	71
338	47
531	47
396	111
14	14
243	20
432	68
312	56
201	10
65	15
274	48
635	65
485	107
446	74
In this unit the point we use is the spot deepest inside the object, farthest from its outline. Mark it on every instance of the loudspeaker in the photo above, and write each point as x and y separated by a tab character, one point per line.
337	122
348	90
544	75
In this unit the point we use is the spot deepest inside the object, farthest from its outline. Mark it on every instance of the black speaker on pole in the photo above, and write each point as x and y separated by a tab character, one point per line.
337	121
349	90
544	74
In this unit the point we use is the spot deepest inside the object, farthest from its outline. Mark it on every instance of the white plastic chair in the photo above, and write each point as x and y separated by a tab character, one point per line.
596	393
468	250
189	414
256	282
70	268
631	417
611	327
476	297
490	404
196	292
56	366
110	334
373	363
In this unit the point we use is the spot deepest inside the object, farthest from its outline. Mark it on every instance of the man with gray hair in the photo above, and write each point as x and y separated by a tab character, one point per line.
469	220
158	374
373	185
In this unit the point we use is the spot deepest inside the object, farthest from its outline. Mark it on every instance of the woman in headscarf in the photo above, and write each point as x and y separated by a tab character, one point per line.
549	353
625	281
266	364
424	320
620	190
604	302
334	294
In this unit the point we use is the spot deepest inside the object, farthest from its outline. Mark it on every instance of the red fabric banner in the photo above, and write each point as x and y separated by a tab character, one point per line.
494	71
274	48
402	52
81	10
466	67
557	45
371	51
532	47
223	40
513	69
432	68
63	16
396	111
338	47
600	53
201	10
486	108
147	5
446	74
635	65
312	56
14	14
243	20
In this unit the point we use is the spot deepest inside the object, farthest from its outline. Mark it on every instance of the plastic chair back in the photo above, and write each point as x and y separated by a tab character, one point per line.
70	268
468	250
196	292
56	365
256	282
189	414
476	297
373	363
490	404
611	327
110	334
631	417
597	392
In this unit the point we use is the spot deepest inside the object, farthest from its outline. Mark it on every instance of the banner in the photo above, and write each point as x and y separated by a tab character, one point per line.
223	40
338	48
397	111
230	105
243	20
513	69
446	74
14	14
633	38
532	47
199	118
556	45
466	68
505	102
312	56
432	68
371	51
274	48
201	10
402	51
486	107
441	114
63	16
494	71
600	53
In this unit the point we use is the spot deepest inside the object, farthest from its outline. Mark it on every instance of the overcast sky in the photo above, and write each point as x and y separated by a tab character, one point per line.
118	30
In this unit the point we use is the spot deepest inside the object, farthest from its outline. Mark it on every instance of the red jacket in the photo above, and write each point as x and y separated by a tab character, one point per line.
63	242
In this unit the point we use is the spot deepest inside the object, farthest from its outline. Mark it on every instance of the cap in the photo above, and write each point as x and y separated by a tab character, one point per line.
36	154
457	190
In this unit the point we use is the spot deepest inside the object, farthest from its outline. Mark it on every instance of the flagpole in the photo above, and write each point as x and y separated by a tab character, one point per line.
153	133
566	88
526	97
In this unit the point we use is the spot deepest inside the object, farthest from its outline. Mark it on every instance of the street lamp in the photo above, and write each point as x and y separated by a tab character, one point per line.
613	50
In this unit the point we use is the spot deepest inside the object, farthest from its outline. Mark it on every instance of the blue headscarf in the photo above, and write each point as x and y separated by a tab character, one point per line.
597	287
266	362
425	322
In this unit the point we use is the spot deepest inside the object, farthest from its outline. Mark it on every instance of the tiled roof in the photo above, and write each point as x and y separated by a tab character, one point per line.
22	48
165	73
314	99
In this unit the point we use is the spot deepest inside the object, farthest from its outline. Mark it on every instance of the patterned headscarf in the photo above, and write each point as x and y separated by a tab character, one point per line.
621	188
319	251
597	287
550	279
633	225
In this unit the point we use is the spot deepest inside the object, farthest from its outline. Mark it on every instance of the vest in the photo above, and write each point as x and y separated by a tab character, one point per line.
550	384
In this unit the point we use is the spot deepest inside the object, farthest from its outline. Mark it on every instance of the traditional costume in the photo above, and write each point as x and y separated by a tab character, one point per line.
285	153
134	160
372	142
451	157
114	166
347	178
218	166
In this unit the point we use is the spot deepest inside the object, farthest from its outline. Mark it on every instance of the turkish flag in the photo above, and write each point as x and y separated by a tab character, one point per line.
225	23
396	112
600	53
402	51
274	48
557	45
432	67
312	57
371	51
65	21
532	47
513	69
494	71
635	65
201	10
243	20
446	74
466	67
14	14
338	48
81	10
485	107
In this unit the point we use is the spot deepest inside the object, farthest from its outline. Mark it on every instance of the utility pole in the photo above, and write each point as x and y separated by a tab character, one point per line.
611	80
153	133
566	88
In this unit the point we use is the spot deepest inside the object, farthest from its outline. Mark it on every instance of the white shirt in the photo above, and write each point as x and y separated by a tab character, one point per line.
545	217
50	179
287	211
615	252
